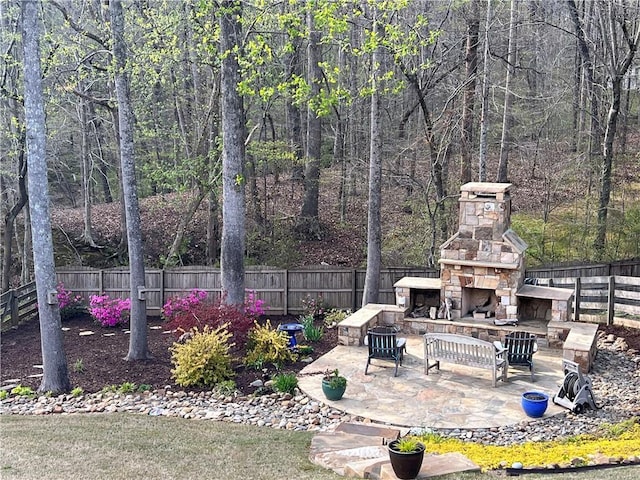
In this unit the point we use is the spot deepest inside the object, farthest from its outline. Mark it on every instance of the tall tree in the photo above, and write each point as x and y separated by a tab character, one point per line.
233	153
55	374
309	217
469	95
374	228
484	116
138	344
507	117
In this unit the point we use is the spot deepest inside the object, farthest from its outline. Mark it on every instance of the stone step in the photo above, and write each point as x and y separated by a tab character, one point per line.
432	466
369	429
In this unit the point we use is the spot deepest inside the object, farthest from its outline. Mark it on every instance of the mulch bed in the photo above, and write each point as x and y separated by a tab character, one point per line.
96	361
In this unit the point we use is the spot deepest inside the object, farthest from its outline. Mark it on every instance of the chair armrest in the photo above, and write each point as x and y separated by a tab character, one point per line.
498	345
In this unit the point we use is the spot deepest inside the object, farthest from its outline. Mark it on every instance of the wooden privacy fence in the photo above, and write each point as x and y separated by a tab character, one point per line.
18	305
610	300
282	290
598	299
627	268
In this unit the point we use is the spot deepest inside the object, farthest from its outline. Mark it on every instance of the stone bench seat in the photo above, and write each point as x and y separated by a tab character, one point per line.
353	329
581	344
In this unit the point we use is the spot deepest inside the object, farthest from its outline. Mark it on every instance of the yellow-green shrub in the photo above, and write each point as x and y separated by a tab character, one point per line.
266	345
204	360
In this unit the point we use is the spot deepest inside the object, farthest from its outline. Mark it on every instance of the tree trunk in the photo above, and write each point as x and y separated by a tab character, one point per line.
309	220
507	120
484	116
138	344
293	69
471	70
213	228
87	236
374	229
55	374
12	214
173	257
233	135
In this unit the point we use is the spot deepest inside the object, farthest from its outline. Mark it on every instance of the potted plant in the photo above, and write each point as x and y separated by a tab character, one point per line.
333	384
534	404
406	455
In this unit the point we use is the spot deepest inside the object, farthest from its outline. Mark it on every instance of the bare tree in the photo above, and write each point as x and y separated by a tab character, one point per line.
233	153
618	25
138	344
484	116
471	72
55	374
507	117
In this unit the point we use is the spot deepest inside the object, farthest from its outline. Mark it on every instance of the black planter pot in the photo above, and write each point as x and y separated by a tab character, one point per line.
406	465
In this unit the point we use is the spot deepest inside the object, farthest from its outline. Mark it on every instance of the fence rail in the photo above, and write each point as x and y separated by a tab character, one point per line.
18	305
613	300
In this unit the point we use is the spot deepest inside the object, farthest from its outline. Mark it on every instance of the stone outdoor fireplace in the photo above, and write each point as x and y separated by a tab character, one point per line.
482	265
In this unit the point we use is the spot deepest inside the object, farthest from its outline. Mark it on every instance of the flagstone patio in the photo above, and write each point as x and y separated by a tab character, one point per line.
453	397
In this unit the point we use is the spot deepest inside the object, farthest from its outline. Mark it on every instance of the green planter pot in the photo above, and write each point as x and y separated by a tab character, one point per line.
332	393
406	465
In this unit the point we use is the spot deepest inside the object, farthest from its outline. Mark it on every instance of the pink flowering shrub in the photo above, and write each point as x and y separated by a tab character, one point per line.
109	312
68	303
176	305
253	306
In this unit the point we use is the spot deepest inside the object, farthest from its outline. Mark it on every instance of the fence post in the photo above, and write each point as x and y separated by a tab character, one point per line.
354	289
611	300
13	303
285	307
162	299
576	300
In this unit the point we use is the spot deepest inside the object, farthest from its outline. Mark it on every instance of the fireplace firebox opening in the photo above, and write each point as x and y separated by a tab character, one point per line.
479	303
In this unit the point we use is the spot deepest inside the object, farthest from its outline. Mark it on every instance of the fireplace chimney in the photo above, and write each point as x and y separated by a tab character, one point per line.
482	265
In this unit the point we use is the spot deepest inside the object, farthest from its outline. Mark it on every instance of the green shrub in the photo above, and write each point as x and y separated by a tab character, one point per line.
3	394
226	387
311	332
204	360
127	387
335	316
22	391
76	392
267	345
285	382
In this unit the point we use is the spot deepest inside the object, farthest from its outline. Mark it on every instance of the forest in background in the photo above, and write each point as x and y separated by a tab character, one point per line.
542	94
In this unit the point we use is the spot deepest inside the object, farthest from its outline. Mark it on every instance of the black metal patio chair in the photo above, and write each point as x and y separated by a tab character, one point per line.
520	349
384	344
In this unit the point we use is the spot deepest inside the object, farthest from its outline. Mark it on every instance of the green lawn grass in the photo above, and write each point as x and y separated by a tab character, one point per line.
126	446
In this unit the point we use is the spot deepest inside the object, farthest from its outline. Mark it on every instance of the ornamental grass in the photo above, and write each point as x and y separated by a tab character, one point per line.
618	441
